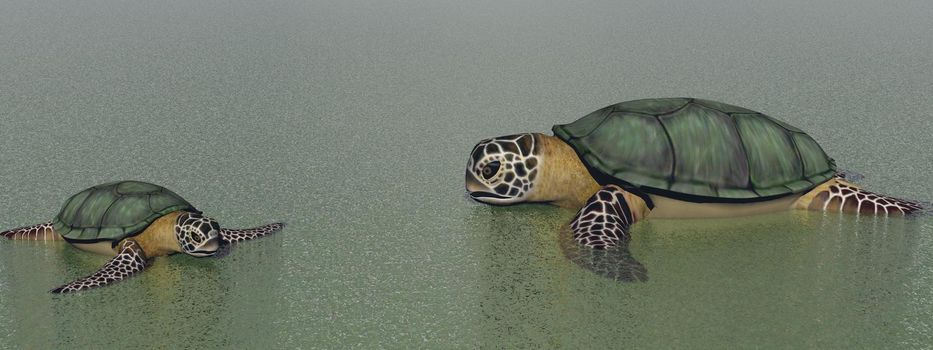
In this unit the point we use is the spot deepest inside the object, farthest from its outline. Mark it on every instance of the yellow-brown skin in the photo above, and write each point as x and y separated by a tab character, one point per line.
562	180
156	240
809	200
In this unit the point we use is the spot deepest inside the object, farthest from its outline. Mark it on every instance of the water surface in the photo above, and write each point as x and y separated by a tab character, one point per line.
352	121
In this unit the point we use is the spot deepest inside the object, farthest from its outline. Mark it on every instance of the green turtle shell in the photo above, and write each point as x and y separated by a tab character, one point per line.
697	150
114	211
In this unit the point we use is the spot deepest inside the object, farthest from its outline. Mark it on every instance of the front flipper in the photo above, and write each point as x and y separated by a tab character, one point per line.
130	259
600	230
239	235
605	219
40	232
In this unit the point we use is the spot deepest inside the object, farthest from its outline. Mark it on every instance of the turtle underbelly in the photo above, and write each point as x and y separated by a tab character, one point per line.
669	208
103	247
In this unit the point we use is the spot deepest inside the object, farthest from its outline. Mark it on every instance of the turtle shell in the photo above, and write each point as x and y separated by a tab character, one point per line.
697	150
114	211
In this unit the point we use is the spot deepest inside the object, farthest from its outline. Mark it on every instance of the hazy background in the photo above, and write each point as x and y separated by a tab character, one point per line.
352	121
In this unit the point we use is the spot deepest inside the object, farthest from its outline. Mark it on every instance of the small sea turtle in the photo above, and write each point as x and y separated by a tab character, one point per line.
666	158
134	222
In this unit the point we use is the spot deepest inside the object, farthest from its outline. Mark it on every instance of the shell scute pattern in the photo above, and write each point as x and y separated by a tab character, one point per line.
697	150
115	211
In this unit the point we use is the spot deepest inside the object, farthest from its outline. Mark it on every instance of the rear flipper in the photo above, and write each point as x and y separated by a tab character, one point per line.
239	235
130	260
40	232
601	231
838	195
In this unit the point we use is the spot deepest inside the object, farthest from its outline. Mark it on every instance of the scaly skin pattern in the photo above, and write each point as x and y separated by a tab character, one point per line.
838	195
528	168
517	156
128	261
192	229
605	219
239	235
40	232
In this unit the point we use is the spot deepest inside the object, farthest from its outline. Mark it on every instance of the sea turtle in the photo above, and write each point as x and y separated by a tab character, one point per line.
666	158
133	222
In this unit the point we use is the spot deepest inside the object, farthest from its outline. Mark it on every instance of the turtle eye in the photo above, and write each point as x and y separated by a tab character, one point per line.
490	170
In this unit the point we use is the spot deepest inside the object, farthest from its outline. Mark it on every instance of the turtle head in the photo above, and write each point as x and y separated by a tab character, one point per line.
503	170
198	235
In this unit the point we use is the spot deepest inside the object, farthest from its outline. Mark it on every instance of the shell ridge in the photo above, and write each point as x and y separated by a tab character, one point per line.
670	143
100	224
83	201
689	102
748	162
781	124
748	178
803	166
634	112
601	122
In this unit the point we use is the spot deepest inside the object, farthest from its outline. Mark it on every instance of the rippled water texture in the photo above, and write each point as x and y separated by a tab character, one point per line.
352	122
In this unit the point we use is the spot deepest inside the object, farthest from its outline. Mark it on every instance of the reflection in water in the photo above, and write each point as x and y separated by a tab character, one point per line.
352	118
176	300
616	263
814	275
516	281
531	293
27	317
179	301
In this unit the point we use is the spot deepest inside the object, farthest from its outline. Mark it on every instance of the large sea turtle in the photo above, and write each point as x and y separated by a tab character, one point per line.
133	222
666	158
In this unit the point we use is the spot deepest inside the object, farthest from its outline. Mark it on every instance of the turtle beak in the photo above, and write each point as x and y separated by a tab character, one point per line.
209	248
481	193
473	184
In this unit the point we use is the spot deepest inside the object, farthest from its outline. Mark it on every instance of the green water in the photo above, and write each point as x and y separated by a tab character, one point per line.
352	122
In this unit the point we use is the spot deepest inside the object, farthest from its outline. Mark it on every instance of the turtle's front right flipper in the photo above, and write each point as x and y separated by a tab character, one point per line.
605	218
40	232
600	235
130	260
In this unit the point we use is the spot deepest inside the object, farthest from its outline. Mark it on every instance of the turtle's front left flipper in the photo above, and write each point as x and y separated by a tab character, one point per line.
239	235
605	219
130	260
